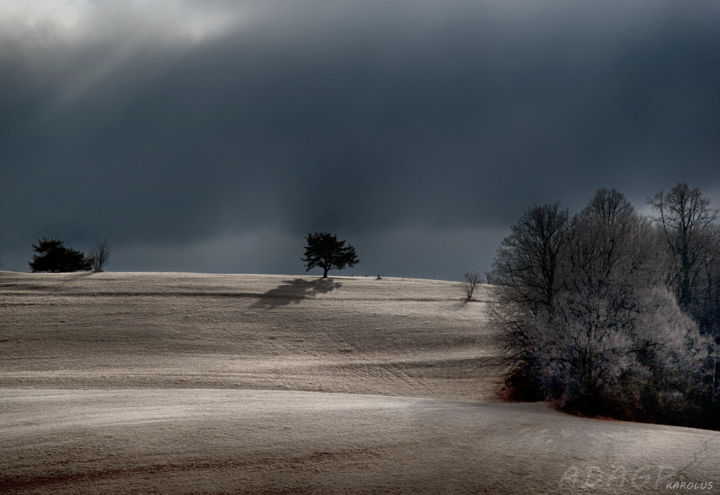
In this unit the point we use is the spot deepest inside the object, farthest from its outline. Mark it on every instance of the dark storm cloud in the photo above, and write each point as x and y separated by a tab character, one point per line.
193	124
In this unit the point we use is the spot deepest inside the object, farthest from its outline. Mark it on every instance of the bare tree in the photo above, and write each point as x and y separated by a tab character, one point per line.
527	263
100	256
470	281
585	318
685	219
525	276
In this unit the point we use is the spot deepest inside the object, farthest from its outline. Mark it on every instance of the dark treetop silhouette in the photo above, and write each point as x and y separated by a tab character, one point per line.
324	250
53	256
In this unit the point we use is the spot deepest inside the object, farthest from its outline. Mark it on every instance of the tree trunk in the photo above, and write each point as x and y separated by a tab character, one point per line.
714	375
325	271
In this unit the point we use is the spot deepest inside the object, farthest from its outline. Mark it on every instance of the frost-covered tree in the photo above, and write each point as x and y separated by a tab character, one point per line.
599	304
689	232
685	219
598	344
527	271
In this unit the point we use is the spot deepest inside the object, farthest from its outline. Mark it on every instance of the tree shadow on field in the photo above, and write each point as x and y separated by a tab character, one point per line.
73	276
294	291
69	278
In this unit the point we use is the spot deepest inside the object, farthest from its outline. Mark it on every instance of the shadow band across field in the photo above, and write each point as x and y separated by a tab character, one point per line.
295	291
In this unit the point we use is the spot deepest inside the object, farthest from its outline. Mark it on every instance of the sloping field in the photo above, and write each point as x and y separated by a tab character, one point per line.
183	383
394	337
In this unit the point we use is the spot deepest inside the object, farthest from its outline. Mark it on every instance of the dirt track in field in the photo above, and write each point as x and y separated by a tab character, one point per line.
184	383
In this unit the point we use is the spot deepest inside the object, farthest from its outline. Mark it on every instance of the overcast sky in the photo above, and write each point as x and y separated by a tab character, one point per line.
212	135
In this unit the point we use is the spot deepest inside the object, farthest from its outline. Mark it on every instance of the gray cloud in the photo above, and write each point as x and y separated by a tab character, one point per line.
185	126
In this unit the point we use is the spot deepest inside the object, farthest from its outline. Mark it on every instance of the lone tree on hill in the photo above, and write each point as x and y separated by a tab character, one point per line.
53	256
100	256
470	282
324	250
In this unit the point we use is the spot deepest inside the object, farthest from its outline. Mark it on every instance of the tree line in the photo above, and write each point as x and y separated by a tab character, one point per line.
609	312
322	250
51	255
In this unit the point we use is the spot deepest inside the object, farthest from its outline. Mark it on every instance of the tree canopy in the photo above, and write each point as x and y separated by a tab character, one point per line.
586	316
53	256
325	251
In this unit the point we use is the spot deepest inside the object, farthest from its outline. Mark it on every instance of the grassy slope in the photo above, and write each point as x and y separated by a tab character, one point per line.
179	383
356	335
